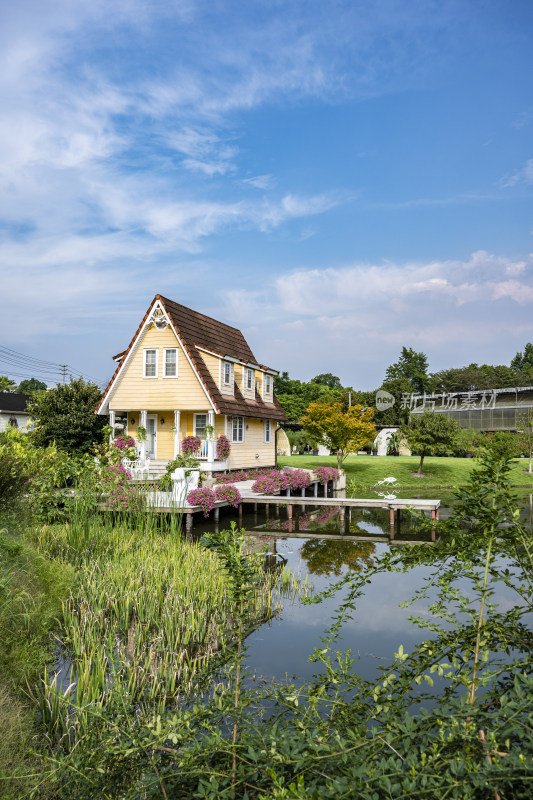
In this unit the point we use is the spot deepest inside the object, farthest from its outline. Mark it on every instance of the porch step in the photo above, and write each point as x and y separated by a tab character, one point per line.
158	467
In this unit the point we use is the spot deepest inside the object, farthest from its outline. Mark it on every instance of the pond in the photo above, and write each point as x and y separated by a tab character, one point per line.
280	649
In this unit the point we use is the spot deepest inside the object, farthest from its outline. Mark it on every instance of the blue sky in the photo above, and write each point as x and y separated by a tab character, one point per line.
337	180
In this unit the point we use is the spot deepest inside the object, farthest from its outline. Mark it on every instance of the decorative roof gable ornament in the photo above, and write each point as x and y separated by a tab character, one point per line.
159	318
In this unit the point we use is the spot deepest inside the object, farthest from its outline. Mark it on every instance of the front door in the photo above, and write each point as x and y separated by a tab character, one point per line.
151	436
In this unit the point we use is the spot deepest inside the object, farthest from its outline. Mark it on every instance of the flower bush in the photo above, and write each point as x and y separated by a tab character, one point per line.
228	493
233	477
206	498
190	445
223	448
271	482
325	474
120	495
297	479
124	442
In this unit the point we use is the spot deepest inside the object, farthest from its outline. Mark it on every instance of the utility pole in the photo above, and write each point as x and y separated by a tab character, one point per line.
64	368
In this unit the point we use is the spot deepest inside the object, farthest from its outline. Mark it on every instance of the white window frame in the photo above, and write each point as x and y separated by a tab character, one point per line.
267	430
200	414
268	384
165	351
243	430
227	366
249	379
145	353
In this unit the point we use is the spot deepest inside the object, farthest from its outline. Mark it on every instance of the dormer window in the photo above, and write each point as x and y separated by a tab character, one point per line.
227	373
249	379
268	384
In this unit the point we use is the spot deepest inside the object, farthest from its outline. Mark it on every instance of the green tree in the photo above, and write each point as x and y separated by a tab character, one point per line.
428	432
6	384
342	431
31	385
327	379
523	361
330	557
476	377
413	368
65	415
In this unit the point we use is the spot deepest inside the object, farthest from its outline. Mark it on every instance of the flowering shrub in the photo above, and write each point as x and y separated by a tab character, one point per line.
124	442
297	479
228	493
223	448
233	477
271	482
206	498
190	445
120	495
325	474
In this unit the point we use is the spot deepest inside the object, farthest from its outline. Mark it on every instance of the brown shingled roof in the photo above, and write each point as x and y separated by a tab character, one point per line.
198	330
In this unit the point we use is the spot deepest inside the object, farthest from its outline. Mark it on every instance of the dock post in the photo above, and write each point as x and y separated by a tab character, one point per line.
391	516
188	522
289	511
267	510
217	514
255	508
342	519
433	518
277	509
240	513
315	489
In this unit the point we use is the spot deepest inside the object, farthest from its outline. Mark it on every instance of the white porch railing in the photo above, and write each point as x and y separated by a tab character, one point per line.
207	450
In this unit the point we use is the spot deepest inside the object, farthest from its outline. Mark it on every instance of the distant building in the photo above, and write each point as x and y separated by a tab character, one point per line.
482	410
13	410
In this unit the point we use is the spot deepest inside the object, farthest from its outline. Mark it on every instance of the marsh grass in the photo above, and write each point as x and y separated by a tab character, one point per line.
151	613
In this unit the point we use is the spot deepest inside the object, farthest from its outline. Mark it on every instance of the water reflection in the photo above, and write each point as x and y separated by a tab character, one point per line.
332	557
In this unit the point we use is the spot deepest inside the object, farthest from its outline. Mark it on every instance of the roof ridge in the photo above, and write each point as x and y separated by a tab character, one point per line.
199	313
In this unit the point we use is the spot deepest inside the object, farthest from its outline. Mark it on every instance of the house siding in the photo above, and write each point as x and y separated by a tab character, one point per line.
243	454
152	394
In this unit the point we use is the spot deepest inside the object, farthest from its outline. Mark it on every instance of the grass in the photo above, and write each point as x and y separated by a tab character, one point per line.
32	588
441	473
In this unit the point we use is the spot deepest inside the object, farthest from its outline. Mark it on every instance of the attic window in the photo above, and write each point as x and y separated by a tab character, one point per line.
268	384
249	379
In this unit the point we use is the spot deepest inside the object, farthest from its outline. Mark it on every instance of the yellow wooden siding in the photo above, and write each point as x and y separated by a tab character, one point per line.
211	363
243	454
134	391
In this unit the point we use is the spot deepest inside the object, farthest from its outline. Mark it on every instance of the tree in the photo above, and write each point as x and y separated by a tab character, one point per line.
429	431
65	415
523	362
327	379
31	385
475	377
342	431
6	384
413	367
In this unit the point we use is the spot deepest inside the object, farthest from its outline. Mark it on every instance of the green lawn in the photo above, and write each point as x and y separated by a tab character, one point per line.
439	472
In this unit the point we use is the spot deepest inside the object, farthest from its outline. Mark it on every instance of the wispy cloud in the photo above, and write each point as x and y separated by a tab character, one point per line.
522	175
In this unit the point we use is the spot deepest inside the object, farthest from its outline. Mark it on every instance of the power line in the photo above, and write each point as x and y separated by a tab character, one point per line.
47	370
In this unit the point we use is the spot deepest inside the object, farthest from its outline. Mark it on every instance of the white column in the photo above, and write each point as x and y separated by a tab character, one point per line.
142	423
225	424
112	423
211	440
176	433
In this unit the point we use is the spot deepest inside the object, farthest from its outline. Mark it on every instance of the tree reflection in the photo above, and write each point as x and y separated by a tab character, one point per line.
329	556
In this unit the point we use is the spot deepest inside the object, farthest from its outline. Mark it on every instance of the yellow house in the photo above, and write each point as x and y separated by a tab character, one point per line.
187	374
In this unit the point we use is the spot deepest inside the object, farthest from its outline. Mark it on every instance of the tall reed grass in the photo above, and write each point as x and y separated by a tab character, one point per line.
151	613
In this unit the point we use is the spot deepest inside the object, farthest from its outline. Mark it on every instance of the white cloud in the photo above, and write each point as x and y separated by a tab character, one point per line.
522	175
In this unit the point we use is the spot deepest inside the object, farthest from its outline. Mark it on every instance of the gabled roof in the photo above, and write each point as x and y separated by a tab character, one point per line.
13	402
196	330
